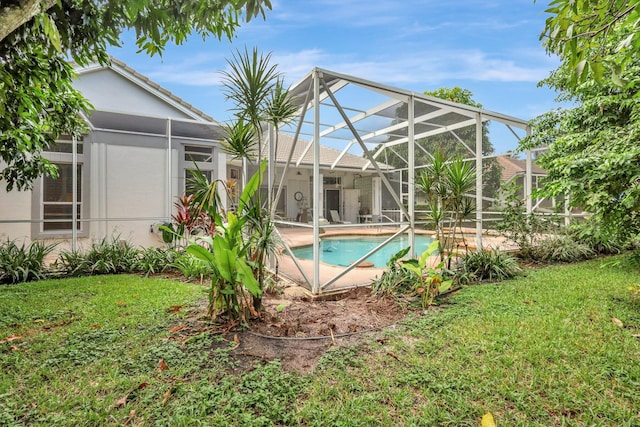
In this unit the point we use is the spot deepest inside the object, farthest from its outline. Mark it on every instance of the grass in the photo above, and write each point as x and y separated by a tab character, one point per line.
541	350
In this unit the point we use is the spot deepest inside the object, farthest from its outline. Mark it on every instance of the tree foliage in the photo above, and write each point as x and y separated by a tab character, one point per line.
38	101
593	153
580	32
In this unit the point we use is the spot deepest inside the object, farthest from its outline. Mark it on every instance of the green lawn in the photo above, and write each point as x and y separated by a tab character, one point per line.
538	351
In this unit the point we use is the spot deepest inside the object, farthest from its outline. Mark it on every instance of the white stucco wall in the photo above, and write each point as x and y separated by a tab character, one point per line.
14	205
135	189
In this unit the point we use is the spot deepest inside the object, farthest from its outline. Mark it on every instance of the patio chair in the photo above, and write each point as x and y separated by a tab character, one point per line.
335	217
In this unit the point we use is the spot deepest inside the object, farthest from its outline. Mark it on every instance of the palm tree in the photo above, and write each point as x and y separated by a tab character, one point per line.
257	90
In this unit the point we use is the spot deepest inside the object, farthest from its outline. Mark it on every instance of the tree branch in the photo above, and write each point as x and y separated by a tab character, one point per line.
14	15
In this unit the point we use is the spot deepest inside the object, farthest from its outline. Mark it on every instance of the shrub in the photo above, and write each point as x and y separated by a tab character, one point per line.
486	265
561	248
395	280
521	228
22	263
155	260
601	240
191	267
104	257
72	264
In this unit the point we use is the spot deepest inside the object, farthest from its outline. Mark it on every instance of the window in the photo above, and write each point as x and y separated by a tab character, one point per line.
57	199
202	157
64	145
189	175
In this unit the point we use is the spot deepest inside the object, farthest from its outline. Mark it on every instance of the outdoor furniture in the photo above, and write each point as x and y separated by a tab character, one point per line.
335	217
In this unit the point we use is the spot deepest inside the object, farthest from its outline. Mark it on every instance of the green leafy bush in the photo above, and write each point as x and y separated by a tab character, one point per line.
395	280
601	240
155	260
486	265
561	248
522	228
72	264
191	267
104	257
23	263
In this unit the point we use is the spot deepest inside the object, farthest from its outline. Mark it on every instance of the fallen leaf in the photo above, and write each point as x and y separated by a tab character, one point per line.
13	348
395	356
121	303
166	396
132	414
617	322
237	342
487	420
162	365
122	401
174	308
10	338
178	328
38	321
96	326
142	385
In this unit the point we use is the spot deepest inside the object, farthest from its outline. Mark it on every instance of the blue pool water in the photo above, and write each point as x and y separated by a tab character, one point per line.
345	250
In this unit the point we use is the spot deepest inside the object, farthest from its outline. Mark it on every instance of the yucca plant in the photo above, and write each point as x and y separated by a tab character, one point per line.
445	184
257	90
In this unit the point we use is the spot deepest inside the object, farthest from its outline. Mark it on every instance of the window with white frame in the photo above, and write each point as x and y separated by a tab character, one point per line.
197	157
57	199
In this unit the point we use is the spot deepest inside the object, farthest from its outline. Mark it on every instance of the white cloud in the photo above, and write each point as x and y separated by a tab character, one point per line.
427	67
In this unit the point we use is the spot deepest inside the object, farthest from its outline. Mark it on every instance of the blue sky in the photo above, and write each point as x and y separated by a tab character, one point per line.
490	47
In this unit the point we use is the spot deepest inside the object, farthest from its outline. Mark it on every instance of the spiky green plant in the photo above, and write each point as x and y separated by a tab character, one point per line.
22	262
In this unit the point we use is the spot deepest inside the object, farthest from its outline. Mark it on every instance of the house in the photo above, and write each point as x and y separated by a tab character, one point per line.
514	170
131	165
134	162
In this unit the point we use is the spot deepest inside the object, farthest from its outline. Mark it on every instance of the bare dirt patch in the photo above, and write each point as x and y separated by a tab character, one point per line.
299	331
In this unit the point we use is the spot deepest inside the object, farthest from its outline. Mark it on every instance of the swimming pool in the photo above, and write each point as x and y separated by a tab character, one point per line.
344	250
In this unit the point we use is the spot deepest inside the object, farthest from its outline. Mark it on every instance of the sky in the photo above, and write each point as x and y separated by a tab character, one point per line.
490	47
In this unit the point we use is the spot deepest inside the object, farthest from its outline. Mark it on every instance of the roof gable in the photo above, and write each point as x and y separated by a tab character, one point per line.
119	88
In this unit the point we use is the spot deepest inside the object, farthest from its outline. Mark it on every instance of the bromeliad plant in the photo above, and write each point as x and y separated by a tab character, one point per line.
430	281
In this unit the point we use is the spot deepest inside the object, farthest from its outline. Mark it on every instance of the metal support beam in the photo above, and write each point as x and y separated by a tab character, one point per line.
316	181
528	182
479	185
411	178
74	197
366	150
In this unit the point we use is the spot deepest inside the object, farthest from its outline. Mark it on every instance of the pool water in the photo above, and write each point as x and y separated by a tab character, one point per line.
343	251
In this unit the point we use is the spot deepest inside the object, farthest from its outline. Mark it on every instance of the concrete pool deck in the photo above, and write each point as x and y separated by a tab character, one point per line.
359	276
